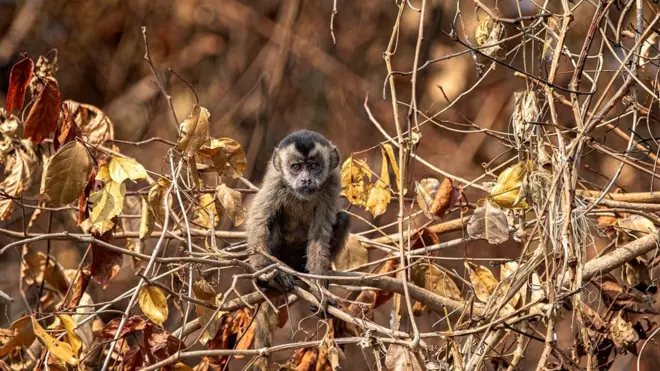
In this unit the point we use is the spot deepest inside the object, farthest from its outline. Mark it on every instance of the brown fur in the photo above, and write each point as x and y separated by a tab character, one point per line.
304	231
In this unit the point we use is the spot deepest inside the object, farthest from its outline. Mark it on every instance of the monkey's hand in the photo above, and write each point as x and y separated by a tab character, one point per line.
286	280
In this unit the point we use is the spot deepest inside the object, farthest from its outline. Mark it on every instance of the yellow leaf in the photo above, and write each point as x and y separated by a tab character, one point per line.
508	270
231	202
483	281
206	209
60	349
153	303
126	168
227	155
194	131
22	336
156	199
104	173
511	186
351	256
393	163
180	366
70	325
380	194
107	202
353	175
146	221
67	173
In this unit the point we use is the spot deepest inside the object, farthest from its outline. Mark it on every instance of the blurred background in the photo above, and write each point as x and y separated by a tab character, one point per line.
264	68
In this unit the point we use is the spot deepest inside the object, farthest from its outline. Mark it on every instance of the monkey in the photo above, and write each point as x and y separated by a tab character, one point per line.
295	217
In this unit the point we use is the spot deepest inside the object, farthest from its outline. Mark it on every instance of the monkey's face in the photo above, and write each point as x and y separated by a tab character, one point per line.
305	172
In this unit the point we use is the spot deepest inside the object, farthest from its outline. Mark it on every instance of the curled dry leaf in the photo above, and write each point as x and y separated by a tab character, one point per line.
483	281
551	37
34	271
147	220
67	172
355	175
19	78
508	270
19	174
489	32
206	210
400	358
227	155
106	263
67	131
525	112
351	256
153	303
380	194
435	198
107	203
44	114
122	168
511	188
132	325
621	331
633	227
392	159
156	199
208	316
194	131
231	202
426	191
93	123
538	293
489	222
60	349
635	273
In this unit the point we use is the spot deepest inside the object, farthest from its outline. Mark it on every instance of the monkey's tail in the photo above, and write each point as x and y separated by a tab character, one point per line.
265	327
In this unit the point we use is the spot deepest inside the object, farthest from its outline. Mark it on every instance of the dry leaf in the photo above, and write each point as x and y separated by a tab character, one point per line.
489	223
122	168
489	32
60	349
232	204
537	294
633	227
156	199
131	325
622	332
194	131
393	162
380	194
400	358
508	270
510	189
34	271
205	210
525	112
106	263
66	176
44	114
153	303
74	340
483	281
227	155
426	191
355	175
551	38
208	317
19	175
432	278
21	336
351	256
19	78
93	123
147	221
67	131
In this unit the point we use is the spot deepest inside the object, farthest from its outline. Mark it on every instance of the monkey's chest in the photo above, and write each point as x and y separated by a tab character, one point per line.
295	229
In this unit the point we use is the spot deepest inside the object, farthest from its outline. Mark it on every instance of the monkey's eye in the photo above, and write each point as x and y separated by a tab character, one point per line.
296	167
314	166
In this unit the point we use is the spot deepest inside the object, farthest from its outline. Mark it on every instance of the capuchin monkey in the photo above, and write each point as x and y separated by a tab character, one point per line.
295	217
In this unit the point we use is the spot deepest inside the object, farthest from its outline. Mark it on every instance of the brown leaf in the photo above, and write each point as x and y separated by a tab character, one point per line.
194	131
44	114
105	262
208	317
67	130
632	300
373	299
21	336
83	210
380	194
156	199
622	332
355	178
134	359
489	223
483	281
132	325
147	221
308	361
67	173
426	191
34	271
93	123
163	344
400	358
227	155
444	198
351	256
78	287
432	278
19	78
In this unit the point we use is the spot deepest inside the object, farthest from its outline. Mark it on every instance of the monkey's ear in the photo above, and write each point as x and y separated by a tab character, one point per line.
277	162
334	158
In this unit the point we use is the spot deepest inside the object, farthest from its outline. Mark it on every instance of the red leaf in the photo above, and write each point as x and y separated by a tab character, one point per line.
132	325
43	116
19	78
105	262
67	131
163	345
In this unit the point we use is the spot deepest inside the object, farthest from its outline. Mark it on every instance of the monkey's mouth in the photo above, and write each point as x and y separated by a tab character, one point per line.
307	190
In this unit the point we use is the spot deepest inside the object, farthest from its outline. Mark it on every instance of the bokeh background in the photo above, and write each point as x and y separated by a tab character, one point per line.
264	68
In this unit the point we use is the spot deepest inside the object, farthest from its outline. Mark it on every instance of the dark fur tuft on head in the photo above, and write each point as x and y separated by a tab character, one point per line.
304	141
